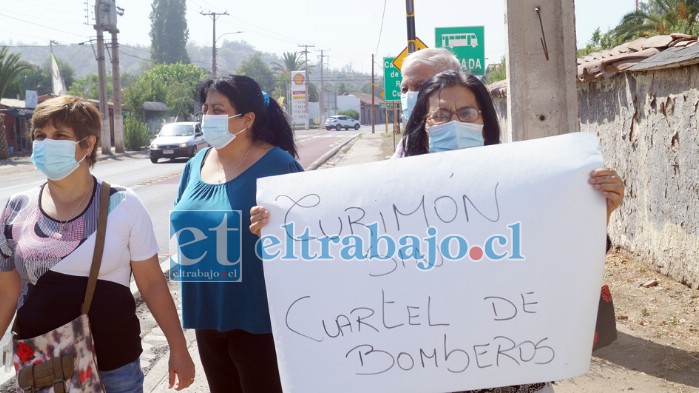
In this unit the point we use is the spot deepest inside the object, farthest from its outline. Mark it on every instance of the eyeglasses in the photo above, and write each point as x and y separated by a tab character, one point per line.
466	114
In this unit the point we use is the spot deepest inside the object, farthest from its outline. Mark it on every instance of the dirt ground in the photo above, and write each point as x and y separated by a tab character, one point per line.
657	350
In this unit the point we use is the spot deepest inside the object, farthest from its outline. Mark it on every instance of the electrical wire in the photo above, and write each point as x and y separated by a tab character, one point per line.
381	29
40	25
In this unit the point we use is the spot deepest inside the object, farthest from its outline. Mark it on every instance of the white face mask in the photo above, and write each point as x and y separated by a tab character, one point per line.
215	129
55	158
455	135
407	103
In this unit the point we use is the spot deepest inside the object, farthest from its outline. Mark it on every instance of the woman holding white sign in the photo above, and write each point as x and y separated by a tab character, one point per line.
454	111
250	138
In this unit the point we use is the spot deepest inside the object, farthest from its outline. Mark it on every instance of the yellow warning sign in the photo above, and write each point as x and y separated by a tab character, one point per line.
398	61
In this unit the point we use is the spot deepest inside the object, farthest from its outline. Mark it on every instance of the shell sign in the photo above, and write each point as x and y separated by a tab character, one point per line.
299	79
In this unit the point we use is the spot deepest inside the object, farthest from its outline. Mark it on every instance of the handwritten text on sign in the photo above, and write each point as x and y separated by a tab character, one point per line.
443	272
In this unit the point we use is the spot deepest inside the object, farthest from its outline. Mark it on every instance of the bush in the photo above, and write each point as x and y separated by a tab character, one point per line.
135	134
350	112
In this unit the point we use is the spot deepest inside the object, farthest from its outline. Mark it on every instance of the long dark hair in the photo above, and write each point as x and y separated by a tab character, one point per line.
271	123
415	141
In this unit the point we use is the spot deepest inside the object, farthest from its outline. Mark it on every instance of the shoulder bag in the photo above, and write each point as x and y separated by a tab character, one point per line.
63	360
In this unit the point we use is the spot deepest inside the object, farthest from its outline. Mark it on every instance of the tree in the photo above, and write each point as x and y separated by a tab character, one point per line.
10	67
173	84
341	89
658	17
88	87
291	61
169	32
38	78
258	70
497	72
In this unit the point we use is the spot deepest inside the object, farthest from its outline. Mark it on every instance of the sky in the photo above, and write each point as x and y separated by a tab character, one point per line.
348	32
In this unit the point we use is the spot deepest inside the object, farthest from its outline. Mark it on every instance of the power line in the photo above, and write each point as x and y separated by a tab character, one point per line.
40	25
381	29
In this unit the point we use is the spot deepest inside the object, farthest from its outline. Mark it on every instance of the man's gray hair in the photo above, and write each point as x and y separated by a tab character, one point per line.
439	59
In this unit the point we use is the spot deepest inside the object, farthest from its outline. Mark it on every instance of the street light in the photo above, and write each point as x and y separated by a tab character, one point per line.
213	51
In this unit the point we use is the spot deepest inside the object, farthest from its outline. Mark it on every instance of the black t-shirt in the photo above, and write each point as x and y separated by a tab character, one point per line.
57	299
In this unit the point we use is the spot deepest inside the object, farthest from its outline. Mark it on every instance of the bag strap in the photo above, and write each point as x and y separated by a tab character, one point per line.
99	247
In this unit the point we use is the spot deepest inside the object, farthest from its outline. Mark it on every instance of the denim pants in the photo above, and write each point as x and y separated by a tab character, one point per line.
125	379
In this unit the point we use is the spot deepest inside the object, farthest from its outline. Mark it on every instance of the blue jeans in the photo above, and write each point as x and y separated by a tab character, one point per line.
125	379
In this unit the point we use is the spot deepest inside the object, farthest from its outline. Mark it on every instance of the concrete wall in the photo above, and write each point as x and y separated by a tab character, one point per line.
648	128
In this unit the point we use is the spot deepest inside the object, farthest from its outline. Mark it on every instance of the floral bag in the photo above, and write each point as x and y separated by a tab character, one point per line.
63	360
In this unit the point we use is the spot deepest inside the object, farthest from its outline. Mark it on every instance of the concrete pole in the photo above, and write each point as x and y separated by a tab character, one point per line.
213	16
213	50
116	87
371	114
541	69
305	52
321	102
101	73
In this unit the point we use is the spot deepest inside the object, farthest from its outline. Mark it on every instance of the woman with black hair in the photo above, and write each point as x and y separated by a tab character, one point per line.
250	138
432	115
455	111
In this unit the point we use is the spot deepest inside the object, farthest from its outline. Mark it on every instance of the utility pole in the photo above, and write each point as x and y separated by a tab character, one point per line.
371	115
322	95
541	72
104	107
116	89
305	52
213	16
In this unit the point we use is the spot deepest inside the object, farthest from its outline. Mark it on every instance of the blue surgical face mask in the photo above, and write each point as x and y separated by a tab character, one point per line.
215	129
455	135
407	103
55	158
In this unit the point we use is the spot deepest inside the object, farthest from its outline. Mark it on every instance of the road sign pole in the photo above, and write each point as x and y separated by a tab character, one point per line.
410	19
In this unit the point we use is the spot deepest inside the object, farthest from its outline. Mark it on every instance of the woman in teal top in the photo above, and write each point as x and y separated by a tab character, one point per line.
223	289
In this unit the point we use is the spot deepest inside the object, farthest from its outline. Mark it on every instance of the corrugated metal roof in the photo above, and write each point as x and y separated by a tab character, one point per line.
155	106
671	58
12	103
366	98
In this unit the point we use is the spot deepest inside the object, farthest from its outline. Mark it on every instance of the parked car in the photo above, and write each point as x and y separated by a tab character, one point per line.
182	139
339	122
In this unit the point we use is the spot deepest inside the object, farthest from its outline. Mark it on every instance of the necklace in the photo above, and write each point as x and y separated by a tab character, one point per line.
62	224
222	171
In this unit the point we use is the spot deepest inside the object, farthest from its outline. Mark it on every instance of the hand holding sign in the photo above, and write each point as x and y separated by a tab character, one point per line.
373	318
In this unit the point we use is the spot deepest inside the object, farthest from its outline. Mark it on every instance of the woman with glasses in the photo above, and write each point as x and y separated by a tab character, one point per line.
454	111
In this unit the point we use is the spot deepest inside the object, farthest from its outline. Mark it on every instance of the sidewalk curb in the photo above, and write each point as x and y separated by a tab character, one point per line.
325	157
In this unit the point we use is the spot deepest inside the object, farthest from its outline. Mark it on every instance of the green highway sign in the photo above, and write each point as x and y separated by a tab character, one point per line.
466	43
391	80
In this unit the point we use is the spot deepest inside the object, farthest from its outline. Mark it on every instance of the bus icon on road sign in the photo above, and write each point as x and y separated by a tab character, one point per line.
466	43
456	40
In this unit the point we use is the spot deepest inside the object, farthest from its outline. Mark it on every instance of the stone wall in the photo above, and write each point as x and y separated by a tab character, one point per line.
648	128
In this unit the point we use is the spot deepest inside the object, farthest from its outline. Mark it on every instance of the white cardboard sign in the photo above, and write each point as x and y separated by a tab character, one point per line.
494	279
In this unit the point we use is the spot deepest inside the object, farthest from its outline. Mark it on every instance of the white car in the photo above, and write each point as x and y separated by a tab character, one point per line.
339	122
174	140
